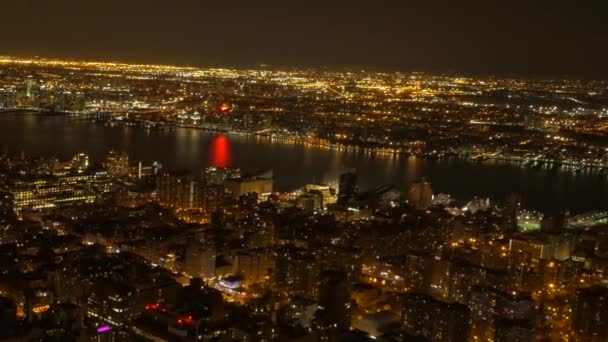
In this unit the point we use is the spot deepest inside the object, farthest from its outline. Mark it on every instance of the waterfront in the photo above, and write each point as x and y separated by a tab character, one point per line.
297	164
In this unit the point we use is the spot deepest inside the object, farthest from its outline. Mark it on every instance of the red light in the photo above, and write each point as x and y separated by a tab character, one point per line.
224	107
219	155
184	320
152	307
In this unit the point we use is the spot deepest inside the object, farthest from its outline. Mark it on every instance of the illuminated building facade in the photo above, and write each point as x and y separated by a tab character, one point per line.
489	306
117	164
217	175
254	266
58	191
296	273
181	191
237	187
112	304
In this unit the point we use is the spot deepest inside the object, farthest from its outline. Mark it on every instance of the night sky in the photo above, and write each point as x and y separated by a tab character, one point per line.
533	38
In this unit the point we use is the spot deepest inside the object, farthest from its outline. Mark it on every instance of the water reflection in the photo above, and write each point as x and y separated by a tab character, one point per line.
219	155
296	164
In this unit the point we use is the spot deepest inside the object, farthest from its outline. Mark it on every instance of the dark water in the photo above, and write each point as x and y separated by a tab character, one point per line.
295	164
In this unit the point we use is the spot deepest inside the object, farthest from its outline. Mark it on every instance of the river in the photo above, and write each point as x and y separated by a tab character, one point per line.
297	164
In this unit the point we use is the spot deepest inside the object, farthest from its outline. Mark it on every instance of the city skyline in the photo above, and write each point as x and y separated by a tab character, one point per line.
543	39
272	171
407	124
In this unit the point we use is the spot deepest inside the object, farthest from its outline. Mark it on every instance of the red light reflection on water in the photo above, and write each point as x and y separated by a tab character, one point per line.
220	156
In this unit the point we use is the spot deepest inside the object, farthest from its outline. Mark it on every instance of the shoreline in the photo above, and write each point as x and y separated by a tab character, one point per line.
474	157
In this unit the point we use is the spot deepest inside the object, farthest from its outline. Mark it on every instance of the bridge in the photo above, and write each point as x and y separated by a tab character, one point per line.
483	156
588	220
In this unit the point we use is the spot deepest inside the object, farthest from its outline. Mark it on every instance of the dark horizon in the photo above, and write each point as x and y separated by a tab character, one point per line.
538	40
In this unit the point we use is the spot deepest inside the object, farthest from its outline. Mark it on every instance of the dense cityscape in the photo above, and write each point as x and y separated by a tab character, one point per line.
123	250
538	123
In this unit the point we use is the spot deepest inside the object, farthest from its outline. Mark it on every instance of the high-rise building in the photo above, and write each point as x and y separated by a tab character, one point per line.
387	194
296	273
420	194
347	189
117	164
80	162
213	197
8	98
217	175
511	330
531	249
510	213
553	223
236	187
6	207
418	272
29	87
434	320
328	194
590	314
489	305
7	215
180	190
111	304
56	191
8	317
311	202
344	259
200	260
334	300
253	265
462	275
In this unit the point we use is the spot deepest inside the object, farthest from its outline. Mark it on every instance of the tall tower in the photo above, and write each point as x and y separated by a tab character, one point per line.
420	194
590	314
554	222
334	301
347	188
29	84
180	190
510	212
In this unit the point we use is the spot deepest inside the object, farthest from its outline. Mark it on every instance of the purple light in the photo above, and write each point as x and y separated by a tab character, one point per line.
103	329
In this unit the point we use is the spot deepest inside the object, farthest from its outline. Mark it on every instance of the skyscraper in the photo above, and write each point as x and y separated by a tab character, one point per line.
57	191
117	164
590	314
423	316
29	85
347	188
180	190
200	260
509	330
489	305
237	187
334	300
6	207
510	212
420	194
296	273
554	222
80	162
